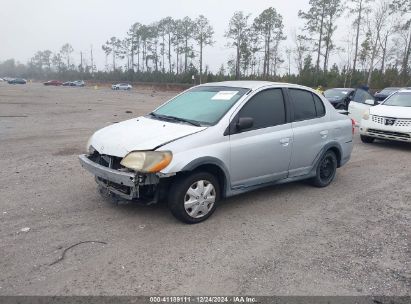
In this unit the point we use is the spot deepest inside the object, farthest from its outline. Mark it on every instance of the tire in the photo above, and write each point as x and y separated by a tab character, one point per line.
326	170
194	207
366	139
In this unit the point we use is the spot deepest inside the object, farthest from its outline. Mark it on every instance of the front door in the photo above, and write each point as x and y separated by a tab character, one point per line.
262	153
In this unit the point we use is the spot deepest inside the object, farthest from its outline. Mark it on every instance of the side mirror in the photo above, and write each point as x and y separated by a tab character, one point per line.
370	102
244	123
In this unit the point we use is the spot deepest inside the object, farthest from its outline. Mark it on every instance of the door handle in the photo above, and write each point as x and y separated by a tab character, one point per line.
324	134
285	141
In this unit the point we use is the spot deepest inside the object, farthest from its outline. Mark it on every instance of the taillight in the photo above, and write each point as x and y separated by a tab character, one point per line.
353	126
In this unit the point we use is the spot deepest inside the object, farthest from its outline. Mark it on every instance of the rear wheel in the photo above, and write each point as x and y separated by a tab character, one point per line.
326	170
193	198
366	139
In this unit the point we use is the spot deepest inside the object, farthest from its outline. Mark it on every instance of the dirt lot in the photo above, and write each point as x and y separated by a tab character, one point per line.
351	238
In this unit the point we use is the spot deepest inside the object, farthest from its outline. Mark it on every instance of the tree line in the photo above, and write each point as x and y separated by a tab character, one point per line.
375	51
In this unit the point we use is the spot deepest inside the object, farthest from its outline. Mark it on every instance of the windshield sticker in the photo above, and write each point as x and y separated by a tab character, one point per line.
224	95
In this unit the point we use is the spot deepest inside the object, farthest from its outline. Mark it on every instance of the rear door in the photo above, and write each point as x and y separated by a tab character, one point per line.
357	106
311	130
261	153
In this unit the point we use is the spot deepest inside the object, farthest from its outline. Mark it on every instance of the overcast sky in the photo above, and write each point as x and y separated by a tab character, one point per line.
27	26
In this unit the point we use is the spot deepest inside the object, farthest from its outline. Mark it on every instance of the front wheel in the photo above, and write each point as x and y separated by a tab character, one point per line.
366	139
326	170
193	198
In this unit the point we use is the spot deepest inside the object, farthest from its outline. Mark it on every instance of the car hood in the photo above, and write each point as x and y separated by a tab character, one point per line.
391	111
138	134
334	99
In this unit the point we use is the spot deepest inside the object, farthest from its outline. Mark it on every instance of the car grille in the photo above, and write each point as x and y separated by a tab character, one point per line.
378	119
403	123
118	187
389	133
398	122
108	161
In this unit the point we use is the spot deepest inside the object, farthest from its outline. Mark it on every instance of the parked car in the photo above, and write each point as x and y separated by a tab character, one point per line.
79	83
121	86
380	96
217	140
360	103
53	83
1	80
391	120
340	97
76	83
17	81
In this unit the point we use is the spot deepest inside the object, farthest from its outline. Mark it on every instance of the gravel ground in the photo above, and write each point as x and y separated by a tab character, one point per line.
351	238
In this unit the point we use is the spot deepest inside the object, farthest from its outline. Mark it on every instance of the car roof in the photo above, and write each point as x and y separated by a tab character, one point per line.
250	84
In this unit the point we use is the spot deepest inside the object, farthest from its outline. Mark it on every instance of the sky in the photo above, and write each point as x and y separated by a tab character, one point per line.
27	26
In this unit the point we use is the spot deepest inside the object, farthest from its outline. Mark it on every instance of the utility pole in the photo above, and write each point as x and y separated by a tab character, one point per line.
81	61
92	62
288	52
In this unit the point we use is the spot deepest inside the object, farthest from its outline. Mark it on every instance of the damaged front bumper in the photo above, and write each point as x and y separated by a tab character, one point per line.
125	184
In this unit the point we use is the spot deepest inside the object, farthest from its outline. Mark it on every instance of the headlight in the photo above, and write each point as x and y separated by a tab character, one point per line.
147	162
366	115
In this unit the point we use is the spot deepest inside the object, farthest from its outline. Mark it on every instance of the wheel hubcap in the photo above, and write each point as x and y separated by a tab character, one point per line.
199	198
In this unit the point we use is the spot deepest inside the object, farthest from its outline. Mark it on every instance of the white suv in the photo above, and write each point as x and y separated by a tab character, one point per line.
390	120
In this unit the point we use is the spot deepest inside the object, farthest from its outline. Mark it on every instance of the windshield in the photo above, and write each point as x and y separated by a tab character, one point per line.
388	91
203	105
334	93
399	99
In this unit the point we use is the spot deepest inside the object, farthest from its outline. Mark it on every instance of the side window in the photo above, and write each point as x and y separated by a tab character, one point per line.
361	96
319	106
266	108
369	96
304	106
